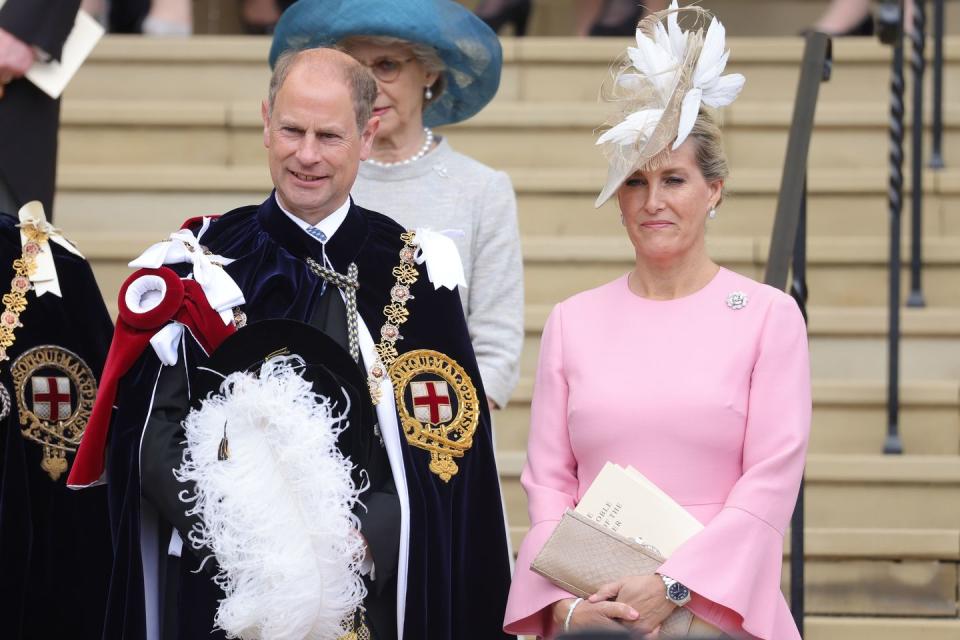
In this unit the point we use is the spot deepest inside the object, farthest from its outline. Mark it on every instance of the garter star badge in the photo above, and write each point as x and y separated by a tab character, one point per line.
55	391
438	406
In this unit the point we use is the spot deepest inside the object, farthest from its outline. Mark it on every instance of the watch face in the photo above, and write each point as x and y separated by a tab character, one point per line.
678	592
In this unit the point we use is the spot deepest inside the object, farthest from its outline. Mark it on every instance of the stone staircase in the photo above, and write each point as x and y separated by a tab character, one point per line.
154	133
741	17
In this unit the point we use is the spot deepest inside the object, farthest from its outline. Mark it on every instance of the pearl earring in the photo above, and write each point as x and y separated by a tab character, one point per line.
428	93
713	213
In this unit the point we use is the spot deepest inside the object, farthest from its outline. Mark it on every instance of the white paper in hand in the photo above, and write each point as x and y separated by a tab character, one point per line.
627	502
52	76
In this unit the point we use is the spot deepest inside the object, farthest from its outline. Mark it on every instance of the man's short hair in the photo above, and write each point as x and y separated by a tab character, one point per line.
362	84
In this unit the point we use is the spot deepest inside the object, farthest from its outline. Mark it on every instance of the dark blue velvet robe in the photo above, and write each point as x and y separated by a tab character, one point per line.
54	543
458	571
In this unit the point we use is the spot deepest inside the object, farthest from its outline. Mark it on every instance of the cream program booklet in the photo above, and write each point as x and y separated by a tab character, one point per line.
627	502
52	76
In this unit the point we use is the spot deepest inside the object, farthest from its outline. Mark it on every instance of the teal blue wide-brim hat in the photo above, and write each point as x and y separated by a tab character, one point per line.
468	47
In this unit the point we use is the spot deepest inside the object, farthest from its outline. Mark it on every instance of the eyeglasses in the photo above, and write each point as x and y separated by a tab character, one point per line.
386	69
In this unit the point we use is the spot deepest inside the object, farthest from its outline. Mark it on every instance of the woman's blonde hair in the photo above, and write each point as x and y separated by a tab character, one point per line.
711	159
424	54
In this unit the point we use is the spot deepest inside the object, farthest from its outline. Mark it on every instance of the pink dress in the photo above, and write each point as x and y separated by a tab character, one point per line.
710	402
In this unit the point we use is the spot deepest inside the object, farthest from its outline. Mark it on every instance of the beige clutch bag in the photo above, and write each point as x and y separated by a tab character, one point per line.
581	556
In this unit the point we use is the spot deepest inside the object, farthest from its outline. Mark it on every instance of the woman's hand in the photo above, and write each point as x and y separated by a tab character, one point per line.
593	615
646	595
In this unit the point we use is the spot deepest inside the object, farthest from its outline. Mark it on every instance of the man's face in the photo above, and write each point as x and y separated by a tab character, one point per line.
312	141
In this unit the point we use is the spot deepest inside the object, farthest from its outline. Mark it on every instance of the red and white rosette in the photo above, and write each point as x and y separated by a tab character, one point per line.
150	300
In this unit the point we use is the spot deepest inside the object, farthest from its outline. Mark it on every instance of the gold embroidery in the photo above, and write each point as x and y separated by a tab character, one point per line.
40	418
360	630
432	425
15	302
396	313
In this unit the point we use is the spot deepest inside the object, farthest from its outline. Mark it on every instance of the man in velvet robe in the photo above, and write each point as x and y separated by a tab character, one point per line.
440	567
54	543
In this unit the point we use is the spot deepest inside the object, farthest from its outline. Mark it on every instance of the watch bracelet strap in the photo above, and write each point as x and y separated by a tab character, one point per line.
669	582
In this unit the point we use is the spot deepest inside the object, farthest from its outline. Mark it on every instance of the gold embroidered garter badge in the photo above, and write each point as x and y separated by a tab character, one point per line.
55	391
438	407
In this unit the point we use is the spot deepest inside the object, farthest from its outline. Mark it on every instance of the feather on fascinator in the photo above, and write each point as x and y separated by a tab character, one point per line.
659	86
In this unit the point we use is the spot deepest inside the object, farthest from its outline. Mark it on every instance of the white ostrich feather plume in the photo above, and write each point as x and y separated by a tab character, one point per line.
635	126
662	62
277	512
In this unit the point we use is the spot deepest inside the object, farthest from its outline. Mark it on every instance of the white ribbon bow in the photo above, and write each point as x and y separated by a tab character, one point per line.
222	292
166	343
44	277
439	252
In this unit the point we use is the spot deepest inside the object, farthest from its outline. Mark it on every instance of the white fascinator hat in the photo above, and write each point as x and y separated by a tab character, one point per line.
658	88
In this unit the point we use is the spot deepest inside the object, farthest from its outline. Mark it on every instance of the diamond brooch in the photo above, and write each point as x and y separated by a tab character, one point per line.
737	300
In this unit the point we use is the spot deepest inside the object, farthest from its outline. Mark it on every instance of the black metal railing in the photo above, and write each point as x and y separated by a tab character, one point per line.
788	247
890	22
936	142
918	43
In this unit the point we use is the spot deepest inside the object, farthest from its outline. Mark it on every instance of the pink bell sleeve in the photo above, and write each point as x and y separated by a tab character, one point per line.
550	480
733	566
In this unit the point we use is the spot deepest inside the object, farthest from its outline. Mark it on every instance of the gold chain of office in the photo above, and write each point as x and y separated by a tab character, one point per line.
15	301
396	314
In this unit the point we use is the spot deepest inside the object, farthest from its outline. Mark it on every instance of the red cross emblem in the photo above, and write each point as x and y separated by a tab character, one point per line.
431	402
51	397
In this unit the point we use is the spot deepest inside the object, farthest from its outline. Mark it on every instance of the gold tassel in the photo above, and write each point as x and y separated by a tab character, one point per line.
223	452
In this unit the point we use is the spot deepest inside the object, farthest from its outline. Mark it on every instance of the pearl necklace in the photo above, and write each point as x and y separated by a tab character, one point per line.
427	143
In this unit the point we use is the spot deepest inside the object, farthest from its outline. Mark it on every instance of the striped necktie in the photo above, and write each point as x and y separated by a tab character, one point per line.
316	233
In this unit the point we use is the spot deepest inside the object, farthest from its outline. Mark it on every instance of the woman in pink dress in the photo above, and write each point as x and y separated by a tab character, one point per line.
696	376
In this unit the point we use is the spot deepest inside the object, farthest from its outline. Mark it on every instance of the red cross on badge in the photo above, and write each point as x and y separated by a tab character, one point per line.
51	397
431	402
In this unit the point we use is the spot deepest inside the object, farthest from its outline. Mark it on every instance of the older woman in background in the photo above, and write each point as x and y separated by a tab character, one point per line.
435	64
696	376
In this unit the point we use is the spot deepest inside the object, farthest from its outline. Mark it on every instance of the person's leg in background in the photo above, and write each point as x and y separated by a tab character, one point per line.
126	16
586	14
618	17
499	13
846	17
169	18
97	9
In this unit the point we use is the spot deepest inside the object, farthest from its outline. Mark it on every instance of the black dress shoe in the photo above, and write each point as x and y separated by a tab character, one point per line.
515	12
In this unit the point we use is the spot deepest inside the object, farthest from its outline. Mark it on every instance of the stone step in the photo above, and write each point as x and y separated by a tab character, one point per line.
517	134
890	572
550	69
845	341
840	271
821	627
849	416
551	202
557	17
740	17
842	491
535	69
859	544
880	628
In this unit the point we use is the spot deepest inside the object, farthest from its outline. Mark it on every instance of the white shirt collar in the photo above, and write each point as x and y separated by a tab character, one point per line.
328	225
